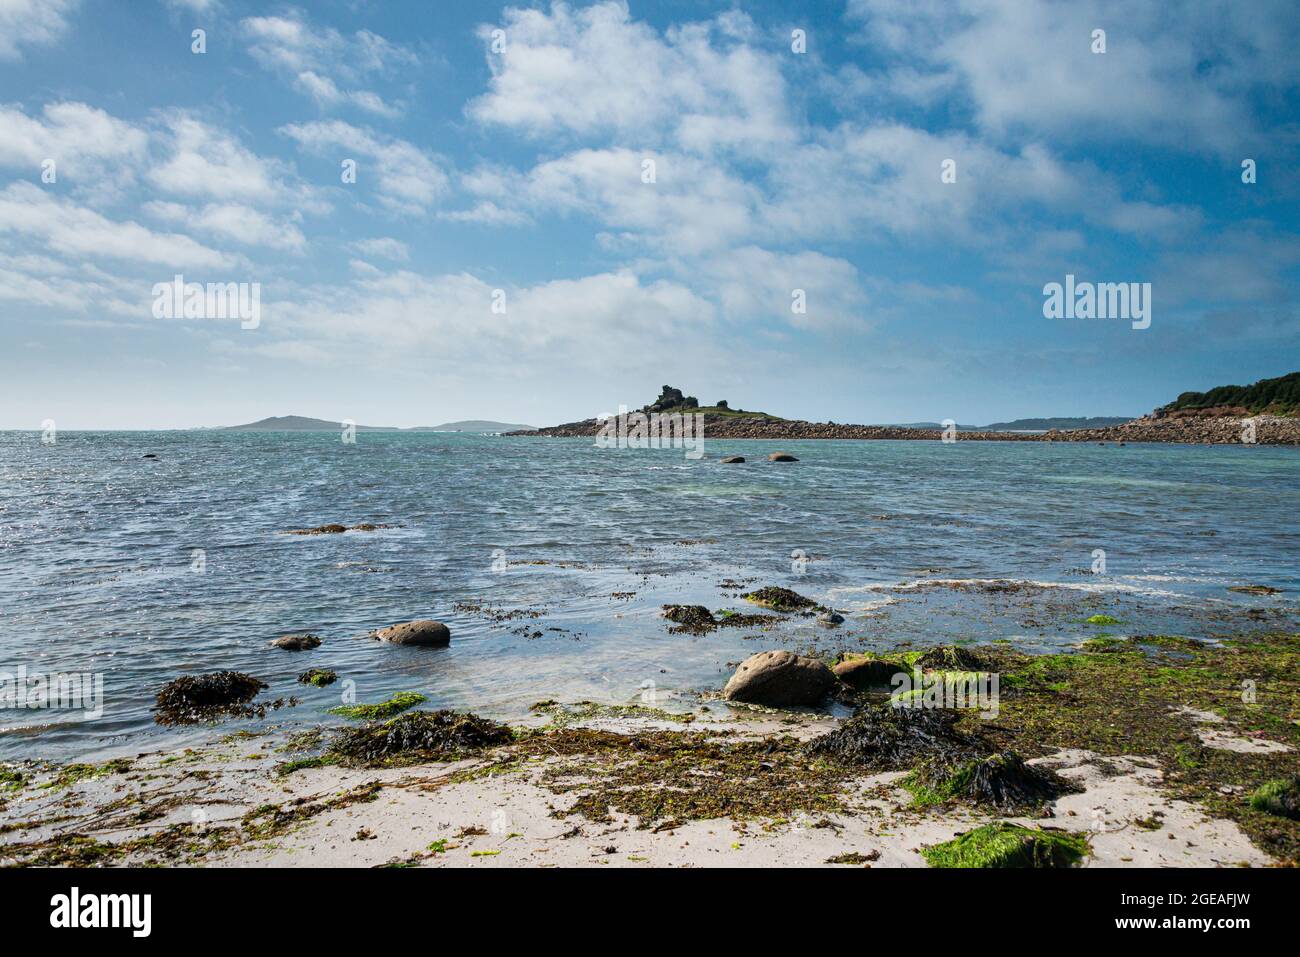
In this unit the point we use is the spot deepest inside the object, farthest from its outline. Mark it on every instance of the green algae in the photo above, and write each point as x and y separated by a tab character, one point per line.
1280	797
385	709
318	677
1003	781
1008	845
780	599
1102	620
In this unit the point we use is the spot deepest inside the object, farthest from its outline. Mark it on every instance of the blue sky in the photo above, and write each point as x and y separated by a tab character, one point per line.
521	169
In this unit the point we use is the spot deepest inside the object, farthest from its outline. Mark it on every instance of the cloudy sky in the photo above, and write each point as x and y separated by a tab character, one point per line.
504	154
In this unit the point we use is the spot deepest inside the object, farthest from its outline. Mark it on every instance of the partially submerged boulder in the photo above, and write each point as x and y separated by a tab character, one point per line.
296	642
781	457
830	617
694	619
779	679
779	599
319	677
192	698
868	672
423	633
733	460
1254	589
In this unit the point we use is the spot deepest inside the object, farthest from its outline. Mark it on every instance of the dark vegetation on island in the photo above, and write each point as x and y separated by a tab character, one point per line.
1199	418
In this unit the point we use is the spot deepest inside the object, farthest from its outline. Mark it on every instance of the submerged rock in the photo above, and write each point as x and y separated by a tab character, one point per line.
336	529
320	677
296	642
781	457
695	619
1254	589
192	698
423	633
418	735
779	679
733	460
830	617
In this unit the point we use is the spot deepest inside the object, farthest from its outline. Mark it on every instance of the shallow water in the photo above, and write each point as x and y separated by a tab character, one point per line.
97	543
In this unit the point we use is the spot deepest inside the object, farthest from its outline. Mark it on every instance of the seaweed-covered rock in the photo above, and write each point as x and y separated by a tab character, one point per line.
1003	781
695	619
1254	589
830	617
779	599
1008	845
424	633
1281	797
420	735
950	658
396	704
192	698
779	679
887	738
296	642
319	677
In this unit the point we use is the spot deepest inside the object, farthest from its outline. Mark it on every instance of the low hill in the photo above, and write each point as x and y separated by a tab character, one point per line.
475	425
1058	422
1280	396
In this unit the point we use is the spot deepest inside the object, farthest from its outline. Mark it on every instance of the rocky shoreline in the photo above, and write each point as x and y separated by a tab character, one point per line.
1186	429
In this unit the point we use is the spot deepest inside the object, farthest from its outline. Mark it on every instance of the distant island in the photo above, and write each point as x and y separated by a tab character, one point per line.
1265	415
302	423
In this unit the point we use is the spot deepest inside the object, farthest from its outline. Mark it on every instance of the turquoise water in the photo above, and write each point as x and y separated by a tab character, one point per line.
97	544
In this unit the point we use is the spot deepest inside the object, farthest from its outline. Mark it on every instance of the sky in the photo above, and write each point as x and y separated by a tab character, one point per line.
840	211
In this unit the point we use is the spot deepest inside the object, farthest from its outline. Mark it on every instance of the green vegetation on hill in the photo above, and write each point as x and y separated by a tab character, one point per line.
1280	396
672	400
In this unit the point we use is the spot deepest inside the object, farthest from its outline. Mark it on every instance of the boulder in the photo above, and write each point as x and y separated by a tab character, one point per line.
865	673
830	617
426	633
781	457
779	679
296	642
733	460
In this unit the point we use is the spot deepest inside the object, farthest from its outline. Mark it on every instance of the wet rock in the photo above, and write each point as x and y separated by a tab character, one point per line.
951	658
781	457
779	599
830	617
733	460
149	455
319	677
296	642
1254	589
695	619
779	679
336	529
870	673
423	633
192	698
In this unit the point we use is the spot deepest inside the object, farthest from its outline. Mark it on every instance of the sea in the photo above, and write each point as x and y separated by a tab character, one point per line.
551	560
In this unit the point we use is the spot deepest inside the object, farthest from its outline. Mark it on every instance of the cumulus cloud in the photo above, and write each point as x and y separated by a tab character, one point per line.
408	179
32	23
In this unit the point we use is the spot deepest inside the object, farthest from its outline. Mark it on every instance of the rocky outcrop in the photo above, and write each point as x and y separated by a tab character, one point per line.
733	460
781	457
423	633
779	679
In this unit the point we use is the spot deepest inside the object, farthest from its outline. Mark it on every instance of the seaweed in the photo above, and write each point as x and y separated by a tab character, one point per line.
1281	797
1002	780
419	735
1008	845
385	709
692	619
320	677
887	738
780	599
192	698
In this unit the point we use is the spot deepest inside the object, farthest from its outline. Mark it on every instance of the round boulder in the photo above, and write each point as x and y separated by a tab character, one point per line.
779	679
733	460
296	642
864	674
830	617
426	633
781	457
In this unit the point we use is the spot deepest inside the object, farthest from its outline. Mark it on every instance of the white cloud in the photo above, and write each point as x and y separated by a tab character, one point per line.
595	71
96	152
384	247
32	23
205	161
232	221
319	58
408	178
75	231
